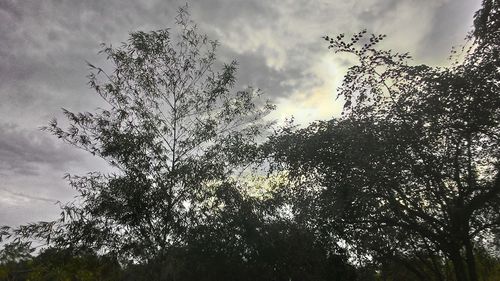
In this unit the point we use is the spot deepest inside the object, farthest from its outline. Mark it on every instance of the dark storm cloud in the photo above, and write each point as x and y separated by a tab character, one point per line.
23	151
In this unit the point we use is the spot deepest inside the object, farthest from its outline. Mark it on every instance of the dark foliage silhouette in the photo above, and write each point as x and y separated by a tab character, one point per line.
410	174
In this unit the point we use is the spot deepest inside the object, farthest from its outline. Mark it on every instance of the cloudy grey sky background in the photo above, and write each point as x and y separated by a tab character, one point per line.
44	45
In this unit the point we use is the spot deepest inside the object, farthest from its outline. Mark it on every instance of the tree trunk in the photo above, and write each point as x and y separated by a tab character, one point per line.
459	266
414	270
471	261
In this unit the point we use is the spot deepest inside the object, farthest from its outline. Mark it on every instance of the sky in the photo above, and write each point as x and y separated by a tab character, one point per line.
44	46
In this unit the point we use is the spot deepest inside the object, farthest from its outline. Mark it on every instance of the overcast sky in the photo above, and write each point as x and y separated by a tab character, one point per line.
44	45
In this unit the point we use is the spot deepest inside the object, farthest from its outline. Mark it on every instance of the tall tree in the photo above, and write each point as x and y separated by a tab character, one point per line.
412	168
172	129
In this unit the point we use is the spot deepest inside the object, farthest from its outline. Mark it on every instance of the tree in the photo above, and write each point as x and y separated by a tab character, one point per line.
56	264
251	240
14	258
411	171
173	131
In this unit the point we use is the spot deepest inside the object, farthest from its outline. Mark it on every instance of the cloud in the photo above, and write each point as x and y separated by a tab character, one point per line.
19	208
23	151
32	165
44	43
285	37
441	38
27	197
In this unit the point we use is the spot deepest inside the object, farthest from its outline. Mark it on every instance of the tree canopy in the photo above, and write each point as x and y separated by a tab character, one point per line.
411	170
404	186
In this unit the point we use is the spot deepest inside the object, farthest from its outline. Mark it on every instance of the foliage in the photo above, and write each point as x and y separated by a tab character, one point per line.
244	240
56	264
242	243
176	207
411	171
15	252
172	129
